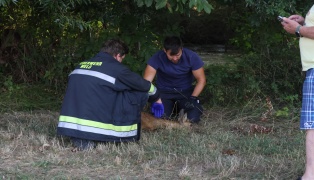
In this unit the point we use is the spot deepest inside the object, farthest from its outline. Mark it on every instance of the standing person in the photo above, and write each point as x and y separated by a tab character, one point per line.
304	29
104	99
176	68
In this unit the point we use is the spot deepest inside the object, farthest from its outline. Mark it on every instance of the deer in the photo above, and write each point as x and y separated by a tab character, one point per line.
150	123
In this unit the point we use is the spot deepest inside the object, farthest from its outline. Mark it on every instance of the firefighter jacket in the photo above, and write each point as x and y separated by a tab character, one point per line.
103	101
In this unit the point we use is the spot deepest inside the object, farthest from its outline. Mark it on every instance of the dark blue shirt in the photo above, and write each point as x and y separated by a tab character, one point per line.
170	75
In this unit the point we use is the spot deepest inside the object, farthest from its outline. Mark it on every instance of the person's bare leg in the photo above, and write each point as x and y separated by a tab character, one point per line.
309	148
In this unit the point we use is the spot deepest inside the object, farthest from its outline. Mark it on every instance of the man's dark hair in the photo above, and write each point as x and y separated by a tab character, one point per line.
115	47
173	43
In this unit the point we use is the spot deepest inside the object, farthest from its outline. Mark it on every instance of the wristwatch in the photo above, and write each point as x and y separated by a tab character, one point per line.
297	31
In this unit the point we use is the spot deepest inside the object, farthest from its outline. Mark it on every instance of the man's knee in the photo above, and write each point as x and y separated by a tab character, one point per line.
194	115
194	118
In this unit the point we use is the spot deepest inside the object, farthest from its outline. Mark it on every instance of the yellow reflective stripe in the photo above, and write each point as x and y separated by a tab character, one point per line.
99	125
152	90
95	130
95	74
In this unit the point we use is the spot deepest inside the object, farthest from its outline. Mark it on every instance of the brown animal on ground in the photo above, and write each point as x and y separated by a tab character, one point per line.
150	123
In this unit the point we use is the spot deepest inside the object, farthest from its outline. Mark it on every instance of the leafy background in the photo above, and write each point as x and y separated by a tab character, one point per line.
41	42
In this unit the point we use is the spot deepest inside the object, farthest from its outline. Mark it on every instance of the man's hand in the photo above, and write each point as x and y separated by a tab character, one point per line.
190	103
157	109
297	18
289	25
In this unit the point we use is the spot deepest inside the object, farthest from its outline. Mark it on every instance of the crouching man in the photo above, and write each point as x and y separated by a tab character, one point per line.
104	99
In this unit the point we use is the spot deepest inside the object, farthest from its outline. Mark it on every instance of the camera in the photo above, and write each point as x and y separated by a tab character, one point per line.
280	18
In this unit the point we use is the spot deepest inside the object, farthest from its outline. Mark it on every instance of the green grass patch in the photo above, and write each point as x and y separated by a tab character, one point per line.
28	97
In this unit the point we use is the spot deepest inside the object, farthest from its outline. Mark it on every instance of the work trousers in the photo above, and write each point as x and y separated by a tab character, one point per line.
175	100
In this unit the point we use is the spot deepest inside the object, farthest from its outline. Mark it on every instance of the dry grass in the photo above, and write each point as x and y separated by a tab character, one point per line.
223	146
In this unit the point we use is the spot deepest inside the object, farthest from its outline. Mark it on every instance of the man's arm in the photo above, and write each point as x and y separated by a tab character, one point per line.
199	75
149	73
307	32
134	80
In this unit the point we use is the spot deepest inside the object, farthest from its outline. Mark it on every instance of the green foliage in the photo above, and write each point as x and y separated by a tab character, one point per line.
224	86
181	6
284	112
258	29
7	2
10	86
42	41
256	77
270	66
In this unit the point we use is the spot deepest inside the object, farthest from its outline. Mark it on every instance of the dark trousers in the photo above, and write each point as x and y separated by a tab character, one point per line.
82	144
174	101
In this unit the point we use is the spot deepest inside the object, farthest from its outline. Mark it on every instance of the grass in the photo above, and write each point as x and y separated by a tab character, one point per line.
28	97
228	144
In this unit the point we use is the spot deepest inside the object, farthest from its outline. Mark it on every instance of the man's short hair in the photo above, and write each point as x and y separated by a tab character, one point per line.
173	43
115	47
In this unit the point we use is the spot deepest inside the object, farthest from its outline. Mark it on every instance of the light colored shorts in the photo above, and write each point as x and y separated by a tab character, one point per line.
307	112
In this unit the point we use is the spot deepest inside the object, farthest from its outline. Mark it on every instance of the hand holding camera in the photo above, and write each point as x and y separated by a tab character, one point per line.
280	18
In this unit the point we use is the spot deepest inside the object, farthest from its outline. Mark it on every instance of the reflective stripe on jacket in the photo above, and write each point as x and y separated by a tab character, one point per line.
103	101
